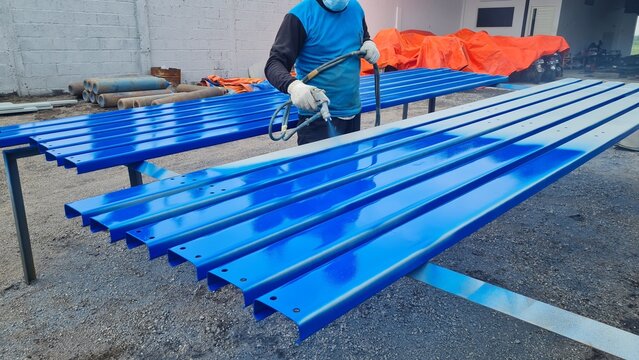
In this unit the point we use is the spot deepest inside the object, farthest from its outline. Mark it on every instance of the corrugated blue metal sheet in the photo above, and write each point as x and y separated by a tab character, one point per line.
313	231
99	141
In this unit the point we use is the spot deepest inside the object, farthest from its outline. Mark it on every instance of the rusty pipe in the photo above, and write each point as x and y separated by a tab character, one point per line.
200	94
188	88
76	89
147	100
86	95
111	100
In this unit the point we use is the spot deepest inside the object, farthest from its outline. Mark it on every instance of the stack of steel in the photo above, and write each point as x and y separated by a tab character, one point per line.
128	92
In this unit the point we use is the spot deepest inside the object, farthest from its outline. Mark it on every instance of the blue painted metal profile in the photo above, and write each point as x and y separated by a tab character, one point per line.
99	141
314	231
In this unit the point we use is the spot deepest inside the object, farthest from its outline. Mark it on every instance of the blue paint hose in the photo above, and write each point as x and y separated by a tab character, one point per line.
286	107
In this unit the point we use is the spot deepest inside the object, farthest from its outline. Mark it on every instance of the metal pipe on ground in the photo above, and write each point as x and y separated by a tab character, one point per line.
102	86
111	100
86	96
188	88
88	83
76	89
631	142
200	94
93	98
147	100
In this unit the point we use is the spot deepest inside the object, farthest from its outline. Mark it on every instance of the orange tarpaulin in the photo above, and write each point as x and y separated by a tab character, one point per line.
238	85
464	50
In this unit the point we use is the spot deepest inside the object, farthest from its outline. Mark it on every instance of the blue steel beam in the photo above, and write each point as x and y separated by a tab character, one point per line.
313	231
128	197
100	141
19	134
558	98
120	222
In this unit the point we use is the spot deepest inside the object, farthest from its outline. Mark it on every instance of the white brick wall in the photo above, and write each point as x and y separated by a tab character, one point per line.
51	43
203	37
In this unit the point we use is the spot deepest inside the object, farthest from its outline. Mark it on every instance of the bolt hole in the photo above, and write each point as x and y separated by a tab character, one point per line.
273	298
225	270
182	183
198	256
211	185
212	192
296	310
183	248
152	237
243	279
223	189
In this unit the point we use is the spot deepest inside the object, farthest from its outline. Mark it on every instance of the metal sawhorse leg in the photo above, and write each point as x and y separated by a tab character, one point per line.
431	108
17	200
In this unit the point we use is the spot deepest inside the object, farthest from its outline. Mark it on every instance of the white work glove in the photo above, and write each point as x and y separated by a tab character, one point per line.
302	96
372	54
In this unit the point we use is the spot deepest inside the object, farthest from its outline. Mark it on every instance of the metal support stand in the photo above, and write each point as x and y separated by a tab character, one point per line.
17	203
17	200
405	112
431	105
135	177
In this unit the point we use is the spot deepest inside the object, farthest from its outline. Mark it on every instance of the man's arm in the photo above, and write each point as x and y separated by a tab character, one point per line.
367	36
287	45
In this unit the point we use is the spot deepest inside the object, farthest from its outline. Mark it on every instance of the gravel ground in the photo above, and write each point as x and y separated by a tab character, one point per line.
574	245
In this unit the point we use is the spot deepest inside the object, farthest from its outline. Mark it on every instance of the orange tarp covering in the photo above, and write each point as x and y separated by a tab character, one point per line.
239	85
464	50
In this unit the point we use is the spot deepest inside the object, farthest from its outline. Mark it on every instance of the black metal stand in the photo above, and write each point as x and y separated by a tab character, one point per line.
17	203
17	200
431	108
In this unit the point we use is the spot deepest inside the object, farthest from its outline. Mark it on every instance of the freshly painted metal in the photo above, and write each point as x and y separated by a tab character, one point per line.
313	231
100	141
573	326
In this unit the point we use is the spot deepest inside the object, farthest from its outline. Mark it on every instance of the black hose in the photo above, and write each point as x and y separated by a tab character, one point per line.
287	105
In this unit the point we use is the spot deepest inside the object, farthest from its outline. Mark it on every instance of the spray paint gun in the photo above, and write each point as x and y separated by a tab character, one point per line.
322	103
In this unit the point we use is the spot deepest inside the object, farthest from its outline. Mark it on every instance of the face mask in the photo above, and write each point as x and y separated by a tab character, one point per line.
336	5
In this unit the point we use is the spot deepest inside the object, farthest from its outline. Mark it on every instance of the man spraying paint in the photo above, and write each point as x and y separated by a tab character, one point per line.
313	33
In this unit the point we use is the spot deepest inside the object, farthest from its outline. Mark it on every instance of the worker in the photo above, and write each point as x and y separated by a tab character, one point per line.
313	33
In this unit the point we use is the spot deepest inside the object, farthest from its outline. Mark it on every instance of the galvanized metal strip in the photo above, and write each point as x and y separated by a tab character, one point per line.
123	198
154	171
118	223
573	326
340	284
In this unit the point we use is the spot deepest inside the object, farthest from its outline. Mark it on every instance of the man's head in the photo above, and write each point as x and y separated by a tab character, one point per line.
336	5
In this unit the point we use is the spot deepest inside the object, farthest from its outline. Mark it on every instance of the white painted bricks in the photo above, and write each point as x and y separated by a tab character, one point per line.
56	42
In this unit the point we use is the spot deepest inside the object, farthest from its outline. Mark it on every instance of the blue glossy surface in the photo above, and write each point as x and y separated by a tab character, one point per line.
315	230
99	141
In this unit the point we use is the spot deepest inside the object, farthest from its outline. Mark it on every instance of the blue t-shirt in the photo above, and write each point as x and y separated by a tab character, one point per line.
328	36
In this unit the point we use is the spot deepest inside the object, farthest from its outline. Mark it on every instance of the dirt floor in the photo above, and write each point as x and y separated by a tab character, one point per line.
574	245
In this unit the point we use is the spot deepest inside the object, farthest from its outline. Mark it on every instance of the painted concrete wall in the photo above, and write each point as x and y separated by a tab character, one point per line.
440	17
46	44
469	17
581	25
